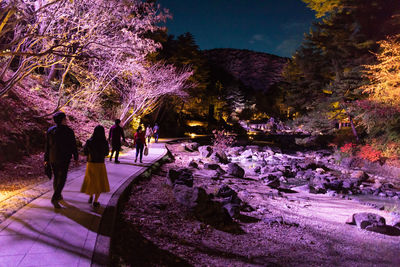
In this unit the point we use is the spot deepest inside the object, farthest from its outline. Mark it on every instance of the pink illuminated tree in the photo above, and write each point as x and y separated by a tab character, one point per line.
68	33
144	89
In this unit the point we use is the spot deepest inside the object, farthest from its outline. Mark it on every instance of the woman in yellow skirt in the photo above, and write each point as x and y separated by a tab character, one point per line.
96	180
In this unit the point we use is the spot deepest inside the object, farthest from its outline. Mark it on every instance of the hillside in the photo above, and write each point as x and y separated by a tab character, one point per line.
254	69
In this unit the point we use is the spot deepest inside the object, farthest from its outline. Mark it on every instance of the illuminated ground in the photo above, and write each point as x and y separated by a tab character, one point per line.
37	235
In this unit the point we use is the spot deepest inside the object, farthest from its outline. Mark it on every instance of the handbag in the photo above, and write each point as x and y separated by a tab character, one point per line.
47	170
146	151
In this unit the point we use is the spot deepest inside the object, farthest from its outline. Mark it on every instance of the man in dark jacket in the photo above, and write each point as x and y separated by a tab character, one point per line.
60	147
114	137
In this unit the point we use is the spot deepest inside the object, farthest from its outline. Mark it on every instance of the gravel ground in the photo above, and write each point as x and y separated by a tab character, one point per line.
285	229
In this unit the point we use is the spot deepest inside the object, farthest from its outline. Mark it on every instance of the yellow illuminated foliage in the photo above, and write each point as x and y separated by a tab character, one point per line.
322	7
384	86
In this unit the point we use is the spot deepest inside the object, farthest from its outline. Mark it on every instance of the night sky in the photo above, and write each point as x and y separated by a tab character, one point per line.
275	27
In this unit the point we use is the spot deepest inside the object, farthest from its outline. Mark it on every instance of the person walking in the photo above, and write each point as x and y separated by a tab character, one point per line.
59	149
155	132
96	180
139	141
114	137
149	133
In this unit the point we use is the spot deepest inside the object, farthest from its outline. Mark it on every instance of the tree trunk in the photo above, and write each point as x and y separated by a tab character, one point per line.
353	128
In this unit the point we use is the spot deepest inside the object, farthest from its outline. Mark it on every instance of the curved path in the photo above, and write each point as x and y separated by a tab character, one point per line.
39	235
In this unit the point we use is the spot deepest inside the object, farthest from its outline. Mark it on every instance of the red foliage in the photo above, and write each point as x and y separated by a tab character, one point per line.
348	148
369	153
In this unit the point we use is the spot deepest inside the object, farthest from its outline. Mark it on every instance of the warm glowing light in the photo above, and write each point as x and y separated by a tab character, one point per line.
195	123
192	135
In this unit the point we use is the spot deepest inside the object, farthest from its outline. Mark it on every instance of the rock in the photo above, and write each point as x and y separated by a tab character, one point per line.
358	176
182	176
211	166
364	219
387	186
384	229
347	185
274	183
193	146
220	156
335	185
247	154
390	193
193	164
232	209
396	222
261	163
189	196
235	170
206	174
225	191
228	195
271	180
205	151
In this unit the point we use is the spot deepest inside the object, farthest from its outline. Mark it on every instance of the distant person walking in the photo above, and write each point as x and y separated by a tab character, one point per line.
149	134
114	137
139	141
155	132
60	147
96	180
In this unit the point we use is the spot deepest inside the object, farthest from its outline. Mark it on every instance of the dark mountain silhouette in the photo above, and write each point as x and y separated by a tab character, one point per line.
254	69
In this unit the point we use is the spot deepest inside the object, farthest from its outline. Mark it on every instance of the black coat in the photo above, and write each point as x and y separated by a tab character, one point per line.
96	150
60	144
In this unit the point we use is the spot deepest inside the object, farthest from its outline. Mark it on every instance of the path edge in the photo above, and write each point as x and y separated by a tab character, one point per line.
102	249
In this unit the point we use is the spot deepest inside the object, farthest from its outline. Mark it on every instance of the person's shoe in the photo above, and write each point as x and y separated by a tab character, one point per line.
96	204
117	161
90	199
56	204
135	159
61	197
141	161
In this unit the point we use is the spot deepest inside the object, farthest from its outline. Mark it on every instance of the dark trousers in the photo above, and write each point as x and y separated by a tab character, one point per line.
139	149
115	147
116	154
155	137
60	171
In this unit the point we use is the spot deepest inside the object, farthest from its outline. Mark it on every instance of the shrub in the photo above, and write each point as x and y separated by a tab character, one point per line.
369	153
222	140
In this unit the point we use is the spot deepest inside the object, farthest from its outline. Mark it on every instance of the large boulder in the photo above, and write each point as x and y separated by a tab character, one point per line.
230	200
383	229
364	219
235	170
205	151
181	176
190	197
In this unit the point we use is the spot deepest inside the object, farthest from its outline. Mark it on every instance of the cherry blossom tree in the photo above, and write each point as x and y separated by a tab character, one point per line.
145	88
69	32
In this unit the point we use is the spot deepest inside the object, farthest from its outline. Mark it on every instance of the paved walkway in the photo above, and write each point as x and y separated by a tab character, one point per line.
39	235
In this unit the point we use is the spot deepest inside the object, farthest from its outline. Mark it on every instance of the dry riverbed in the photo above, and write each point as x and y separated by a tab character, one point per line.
281	228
